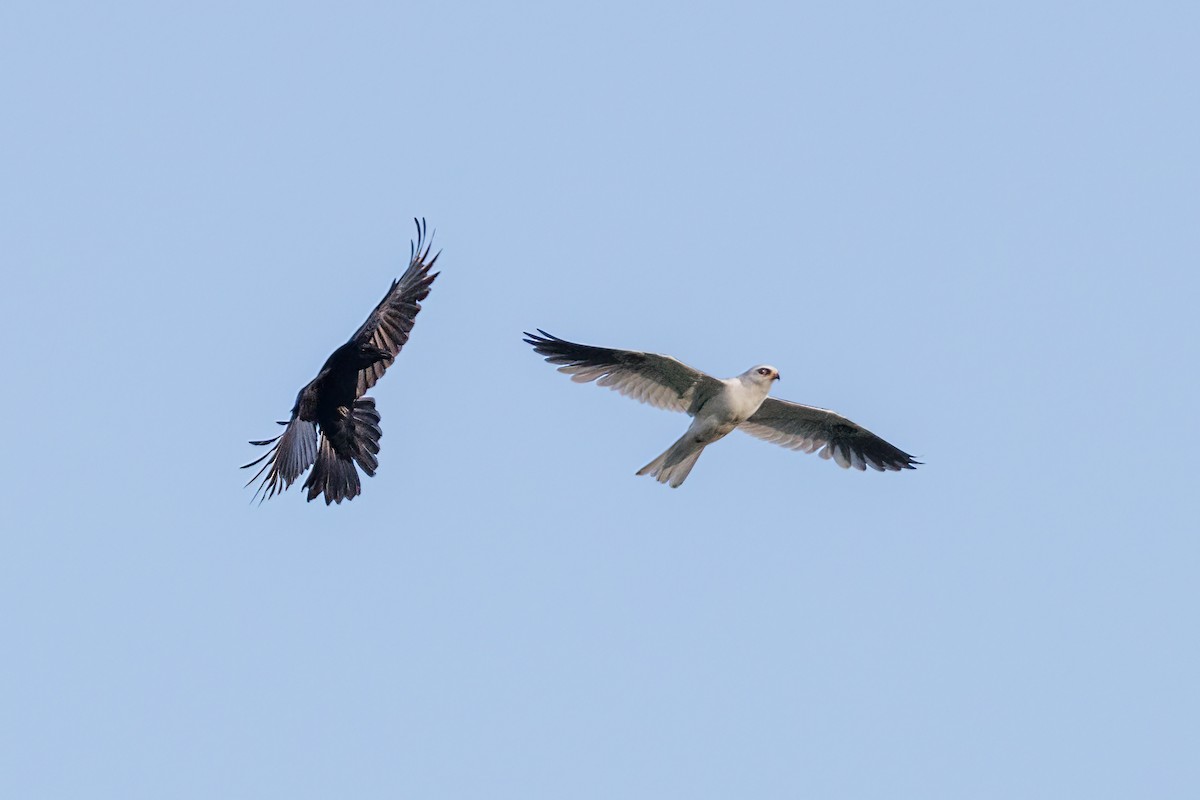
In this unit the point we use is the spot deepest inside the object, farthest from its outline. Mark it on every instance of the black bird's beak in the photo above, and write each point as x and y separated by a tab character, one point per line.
778	377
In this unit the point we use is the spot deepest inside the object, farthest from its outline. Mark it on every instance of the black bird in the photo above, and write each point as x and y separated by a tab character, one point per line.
334	402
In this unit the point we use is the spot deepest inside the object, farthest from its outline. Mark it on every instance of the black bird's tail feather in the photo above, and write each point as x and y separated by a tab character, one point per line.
355	440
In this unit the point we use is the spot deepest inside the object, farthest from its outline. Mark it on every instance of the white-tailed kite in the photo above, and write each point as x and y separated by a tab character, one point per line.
334	399
718	407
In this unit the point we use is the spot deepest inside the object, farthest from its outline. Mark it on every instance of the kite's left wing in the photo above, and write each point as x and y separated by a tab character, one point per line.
810	429
661	381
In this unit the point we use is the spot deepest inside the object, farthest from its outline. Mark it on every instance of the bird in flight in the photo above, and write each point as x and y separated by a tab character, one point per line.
718	407
334	401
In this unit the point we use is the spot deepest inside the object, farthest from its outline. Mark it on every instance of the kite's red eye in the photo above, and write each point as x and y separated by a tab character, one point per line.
764	371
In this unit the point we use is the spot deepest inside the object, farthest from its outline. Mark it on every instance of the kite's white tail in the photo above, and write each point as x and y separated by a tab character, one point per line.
674	465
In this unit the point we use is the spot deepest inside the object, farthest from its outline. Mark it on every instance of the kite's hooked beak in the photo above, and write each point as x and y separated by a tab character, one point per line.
778	377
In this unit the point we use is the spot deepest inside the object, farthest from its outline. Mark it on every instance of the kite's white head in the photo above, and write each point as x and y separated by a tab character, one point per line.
764	373
759	379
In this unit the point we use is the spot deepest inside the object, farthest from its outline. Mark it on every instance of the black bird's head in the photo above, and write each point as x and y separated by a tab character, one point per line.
370	354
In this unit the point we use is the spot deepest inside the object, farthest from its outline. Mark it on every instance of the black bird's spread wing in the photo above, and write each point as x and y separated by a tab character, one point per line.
292	452
810	429
390	323
661	381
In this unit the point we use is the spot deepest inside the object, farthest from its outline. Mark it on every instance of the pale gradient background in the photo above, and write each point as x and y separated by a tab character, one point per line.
970	227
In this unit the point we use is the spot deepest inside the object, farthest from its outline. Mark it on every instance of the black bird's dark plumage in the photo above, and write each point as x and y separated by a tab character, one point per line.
333	425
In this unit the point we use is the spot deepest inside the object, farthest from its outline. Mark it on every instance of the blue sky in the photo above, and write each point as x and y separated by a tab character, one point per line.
971	228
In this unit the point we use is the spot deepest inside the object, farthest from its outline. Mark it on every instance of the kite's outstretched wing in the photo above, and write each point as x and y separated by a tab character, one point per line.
661	381
811	429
